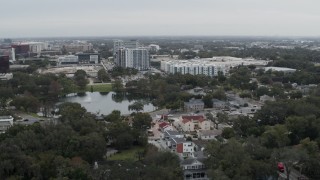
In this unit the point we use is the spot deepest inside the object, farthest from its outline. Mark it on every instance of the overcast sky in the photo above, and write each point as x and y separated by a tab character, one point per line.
46	18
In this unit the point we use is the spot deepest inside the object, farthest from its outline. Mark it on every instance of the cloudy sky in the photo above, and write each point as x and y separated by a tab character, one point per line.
46	18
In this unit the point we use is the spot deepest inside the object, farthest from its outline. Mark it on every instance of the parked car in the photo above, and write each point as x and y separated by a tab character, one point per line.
281	167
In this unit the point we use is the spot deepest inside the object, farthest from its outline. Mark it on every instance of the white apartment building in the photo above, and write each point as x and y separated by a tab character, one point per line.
133	58
207	66
129	54
137	58
118	44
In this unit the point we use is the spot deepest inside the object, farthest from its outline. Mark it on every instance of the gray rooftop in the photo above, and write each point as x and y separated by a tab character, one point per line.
177	140
217	101
214	132
195	101
172	133
191	161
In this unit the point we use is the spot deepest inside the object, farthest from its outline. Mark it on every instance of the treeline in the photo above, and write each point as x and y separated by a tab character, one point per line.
57	150
68	148
30	91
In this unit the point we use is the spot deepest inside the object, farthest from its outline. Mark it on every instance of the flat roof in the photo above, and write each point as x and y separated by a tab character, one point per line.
279	69
220	60
6	117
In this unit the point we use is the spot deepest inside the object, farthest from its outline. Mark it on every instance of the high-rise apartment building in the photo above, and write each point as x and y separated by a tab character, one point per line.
130	54
118	44
137	58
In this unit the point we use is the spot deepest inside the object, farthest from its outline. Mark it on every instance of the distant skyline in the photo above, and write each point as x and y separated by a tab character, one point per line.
69	18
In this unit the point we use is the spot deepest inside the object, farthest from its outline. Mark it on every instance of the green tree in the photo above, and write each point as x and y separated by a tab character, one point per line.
92	147
142	121
117	86
80	79
275	136
235	164
228	133
103	75
114	116
136	106
244	126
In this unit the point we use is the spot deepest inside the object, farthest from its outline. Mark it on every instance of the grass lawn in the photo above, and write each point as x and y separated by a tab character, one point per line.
129	154
99	88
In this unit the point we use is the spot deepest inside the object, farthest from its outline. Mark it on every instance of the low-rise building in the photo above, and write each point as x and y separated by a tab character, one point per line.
194	105
80	58
281	69
68	60
194	169
208	66
216	103
163	126
5	123
89	58
172	134
209	134
181	147
194	122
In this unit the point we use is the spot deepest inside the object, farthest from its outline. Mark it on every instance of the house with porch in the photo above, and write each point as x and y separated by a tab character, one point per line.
194	169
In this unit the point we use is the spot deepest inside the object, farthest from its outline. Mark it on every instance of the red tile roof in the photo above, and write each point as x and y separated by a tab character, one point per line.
163	124
186	119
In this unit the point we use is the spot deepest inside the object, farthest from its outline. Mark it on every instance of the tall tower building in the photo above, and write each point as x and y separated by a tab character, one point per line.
130	54
138	58
121	58
117	44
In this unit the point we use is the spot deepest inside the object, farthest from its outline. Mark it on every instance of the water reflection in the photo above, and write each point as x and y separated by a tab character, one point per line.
105	103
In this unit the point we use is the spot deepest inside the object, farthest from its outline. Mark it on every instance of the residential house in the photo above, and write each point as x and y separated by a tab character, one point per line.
194	169
172	134
194	105
208	134
163	125
182	147
235	101
194	122
216	103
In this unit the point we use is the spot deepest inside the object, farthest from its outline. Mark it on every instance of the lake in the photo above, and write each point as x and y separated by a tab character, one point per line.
105	103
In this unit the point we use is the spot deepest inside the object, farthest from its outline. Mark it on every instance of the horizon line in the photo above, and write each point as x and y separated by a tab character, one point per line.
157	36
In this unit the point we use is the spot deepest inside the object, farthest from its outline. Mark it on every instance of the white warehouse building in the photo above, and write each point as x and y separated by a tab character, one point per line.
207	66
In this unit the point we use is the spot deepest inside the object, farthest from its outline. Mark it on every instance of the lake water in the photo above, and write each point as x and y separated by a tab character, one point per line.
105	103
